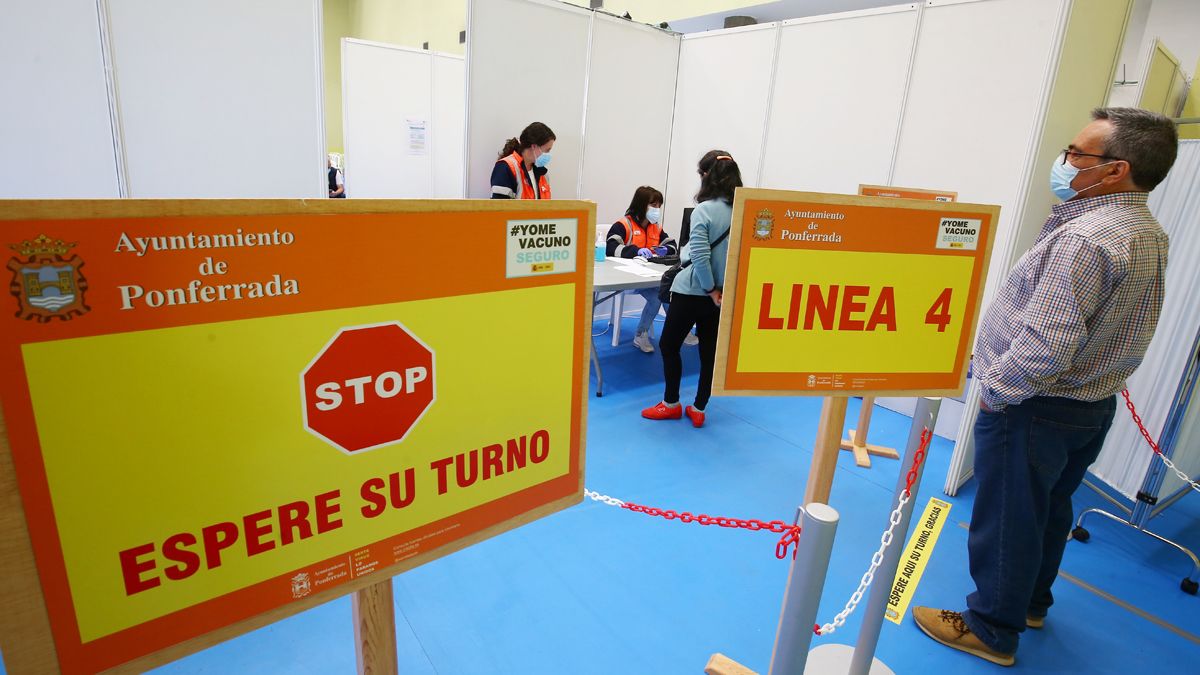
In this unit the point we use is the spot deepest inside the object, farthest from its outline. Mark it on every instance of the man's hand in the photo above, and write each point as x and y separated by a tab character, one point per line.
984	406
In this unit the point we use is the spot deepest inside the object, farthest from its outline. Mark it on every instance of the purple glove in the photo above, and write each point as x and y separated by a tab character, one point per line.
645	253
660	250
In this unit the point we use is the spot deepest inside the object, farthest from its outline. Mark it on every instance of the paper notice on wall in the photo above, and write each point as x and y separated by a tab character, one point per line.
418	136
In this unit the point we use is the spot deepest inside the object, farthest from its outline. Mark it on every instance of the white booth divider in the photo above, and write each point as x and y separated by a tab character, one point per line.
1123	462
630	102
510	84
721	102
449	125
605	85
219	98
402	116
57	133
838	98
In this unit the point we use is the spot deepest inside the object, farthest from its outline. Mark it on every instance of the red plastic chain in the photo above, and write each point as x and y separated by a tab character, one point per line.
791	533
1138	421
918	457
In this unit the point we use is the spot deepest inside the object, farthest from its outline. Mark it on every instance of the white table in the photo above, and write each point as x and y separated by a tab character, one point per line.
609	282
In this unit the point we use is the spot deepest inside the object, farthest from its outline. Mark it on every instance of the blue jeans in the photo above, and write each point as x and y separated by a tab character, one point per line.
650	310
1029	458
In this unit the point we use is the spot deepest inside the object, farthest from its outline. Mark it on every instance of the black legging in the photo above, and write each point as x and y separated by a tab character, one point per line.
684	312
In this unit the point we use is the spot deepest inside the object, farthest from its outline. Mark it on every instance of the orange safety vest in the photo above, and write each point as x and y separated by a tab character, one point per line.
635	235
522	178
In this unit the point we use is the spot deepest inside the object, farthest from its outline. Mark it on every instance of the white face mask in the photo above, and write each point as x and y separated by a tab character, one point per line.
1063	173
654	214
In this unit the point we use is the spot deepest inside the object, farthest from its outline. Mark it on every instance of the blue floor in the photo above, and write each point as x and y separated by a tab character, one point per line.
597	589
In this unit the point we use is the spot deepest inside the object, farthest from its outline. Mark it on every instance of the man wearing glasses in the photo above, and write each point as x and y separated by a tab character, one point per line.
1071	322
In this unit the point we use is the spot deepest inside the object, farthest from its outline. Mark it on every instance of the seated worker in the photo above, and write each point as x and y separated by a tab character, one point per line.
640	233
520	170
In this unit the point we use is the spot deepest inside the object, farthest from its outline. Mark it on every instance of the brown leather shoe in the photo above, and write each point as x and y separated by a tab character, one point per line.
949	629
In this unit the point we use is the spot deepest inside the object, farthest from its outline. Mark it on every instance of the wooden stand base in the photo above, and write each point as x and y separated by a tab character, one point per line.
862	452
719	664
857	443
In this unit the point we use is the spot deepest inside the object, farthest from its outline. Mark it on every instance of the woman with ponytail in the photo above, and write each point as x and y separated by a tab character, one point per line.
696	290
520	170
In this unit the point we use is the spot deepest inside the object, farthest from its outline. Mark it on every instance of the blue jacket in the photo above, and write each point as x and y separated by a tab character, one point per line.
710	220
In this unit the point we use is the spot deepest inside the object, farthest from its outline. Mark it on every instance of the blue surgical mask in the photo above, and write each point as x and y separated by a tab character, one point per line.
1062	174
543	160
654	214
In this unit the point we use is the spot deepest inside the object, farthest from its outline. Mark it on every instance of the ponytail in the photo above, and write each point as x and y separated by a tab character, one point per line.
510	146
721	179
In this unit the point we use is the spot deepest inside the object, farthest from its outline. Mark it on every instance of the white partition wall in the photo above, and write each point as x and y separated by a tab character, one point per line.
449	125
219	98
402	116
57	133
630	101
511	83
1126	455
837	99
976	104
720	103
386	100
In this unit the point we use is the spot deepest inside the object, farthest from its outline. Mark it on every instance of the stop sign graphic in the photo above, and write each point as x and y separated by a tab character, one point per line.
368	387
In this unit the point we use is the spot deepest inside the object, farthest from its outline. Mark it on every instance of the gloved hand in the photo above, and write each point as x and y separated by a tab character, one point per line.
660	250
645	253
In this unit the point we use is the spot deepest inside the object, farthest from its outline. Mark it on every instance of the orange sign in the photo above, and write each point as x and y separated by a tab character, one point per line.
219	409
907	193
842	295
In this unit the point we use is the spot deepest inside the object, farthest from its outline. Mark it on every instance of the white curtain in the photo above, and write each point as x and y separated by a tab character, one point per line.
1126	456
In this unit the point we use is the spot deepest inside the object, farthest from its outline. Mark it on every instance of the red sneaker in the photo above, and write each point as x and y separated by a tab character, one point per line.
696	416
662	411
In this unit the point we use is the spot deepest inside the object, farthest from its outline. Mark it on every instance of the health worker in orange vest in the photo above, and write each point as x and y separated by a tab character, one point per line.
520	171
640	233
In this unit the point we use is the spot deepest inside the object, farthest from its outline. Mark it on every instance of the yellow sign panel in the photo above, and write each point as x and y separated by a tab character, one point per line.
219	409
852	314
845	295
247	442
916	556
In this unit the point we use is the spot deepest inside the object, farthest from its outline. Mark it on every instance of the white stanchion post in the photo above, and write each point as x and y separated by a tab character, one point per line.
834	659
806	579
924	417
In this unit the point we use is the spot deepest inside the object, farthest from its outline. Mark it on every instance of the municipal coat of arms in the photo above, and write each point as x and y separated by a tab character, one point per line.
47	284
301	585
763	224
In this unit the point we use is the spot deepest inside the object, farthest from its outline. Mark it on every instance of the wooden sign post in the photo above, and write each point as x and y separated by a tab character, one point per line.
375	630
217	414
839	295
826	449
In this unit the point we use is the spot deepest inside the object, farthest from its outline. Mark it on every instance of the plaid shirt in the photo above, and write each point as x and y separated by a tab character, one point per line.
1077	312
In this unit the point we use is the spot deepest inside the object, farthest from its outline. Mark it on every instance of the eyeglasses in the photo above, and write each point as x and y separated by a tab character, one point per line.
1067	152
